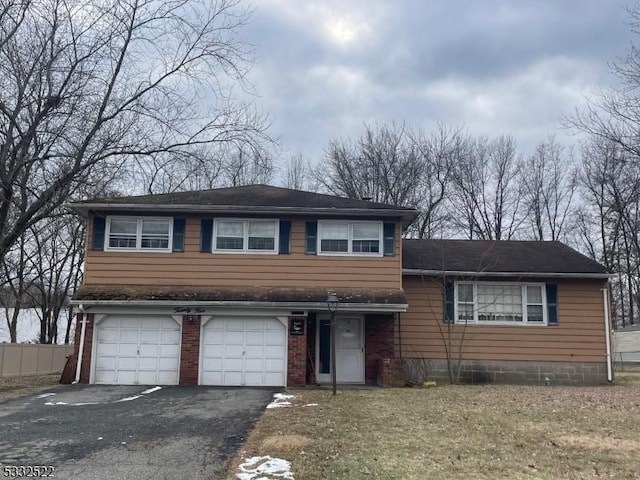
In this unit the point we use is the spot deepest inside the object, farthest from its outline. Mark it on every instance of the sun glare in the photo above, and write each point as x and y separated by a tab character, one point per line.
340	30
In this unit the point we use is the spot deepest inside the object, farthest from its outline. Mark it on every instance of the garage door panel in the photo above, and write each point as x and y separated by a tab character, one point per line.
234	338
274	338
247	352
255	338
137	349
254	351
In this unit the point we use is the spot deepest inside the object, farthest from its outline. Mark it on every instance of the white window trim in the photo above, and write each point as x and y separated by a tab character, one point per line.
350	252
523	286
245	241
138	247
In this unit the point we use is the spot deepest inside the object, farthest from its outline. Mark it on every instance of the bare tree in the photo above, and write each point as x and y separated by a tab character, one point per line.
614	115
108	84
486	193
548	183
393	164
297	173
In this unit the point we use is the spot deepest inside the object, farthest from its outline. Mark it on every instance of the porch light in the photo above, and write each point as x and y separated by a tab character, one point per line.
332	304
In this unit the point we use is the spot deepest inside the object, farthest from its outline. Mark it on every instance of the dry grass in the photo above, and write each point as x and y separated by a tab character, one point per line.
456	432
16	387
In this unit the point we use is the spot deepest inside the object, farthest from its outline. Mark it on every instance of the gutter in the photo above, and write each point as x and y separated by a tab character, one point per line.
431	273
81	349
353	307
607	332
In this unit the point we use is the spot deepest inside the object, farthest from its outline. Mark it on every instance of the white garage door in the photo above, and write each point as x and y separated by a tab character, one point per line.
239	352
137	350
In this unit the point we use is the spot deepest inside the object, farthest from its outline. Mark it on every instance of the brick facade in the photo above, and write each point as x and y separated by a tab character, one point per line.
297	356
379	333
88	345
190	350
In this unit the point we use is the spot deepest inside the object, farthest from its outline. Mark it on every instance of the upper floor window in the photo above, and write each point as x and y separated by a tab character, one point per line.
349	238
500	303
237	235
146	233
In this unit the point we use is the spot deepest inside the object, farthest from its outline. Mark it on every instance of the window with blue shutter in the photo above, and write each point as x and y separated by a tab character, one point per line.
449	302
285	237
99	225
311	238
552	304
389	237
206	234
178	234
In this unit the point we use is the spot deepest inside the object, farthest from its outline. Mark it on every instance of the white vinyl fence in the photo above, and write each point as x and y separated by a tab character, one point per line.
19	359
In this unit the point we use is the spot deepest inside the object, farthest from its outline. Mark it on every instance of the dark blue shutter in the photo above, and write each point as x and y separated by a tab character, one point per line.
178	234
206	235
449	302
311	244
98	233
389	236
285	236
552	304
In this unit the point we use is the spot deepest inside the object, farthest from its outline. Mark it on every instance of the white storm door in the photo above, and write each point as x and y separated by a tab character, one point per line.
350	350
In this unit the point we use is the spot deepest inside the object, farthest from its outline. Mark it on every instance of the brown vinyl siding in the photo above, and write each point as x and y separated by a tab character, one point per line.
579	337
193	267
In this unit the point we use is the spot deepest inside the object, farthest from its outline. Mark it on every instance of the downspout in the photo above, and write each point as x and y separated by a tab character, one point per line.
81	349
607	332
399	336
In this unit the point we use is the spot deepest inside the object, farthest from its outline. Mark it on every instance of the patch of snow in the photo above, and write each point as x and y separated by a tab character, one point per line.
150	390
311	405
100	438
45	395
56	403
264	468
280	400
128	399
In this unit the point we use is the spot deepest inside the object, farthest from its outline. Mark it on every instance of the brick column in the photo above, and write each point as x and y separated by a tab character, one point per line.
297	355
190	350
378	343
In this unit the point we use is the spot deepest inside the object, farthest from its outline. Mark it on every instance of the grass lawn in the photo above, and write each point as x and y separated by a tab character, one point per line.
15	387
457	432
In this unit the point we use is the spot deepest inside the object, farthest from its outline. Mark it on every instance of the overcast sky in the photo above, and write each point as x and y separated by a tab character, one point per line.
493	66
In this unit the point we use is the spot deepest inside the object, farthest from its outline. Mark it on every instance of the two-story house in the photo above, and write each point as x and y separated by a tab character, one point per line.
229	287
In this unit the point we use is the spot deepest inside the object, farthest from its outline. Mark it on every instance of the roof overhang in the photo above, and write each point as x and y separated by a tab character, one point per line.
343	306
454	273
83	209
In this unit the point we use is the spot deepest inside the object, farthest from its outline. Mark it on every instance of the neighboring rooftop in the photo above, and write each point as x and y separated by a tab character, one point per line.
253	198
486	257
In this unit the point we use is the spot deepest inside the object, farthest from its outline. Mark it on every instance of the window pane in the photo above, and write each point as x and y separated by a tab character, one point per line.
262	229
500	303
121	241
262	243
465	293
335	231
124	225
534	294
334	245
229	243
155	227
230	229
366	231
366	246
534	313
465	312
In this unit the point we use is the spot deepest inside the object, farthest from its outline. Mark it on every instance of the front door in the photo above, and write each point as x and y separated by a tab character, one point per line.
349	349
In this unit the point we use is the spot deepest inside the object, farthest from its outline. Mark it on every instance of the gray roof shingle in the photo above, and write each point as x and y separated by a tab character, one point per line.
486	257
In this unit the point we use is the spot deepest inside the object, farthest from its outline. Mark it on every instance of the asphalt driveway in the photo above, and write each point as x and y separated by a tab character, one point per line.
108	432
